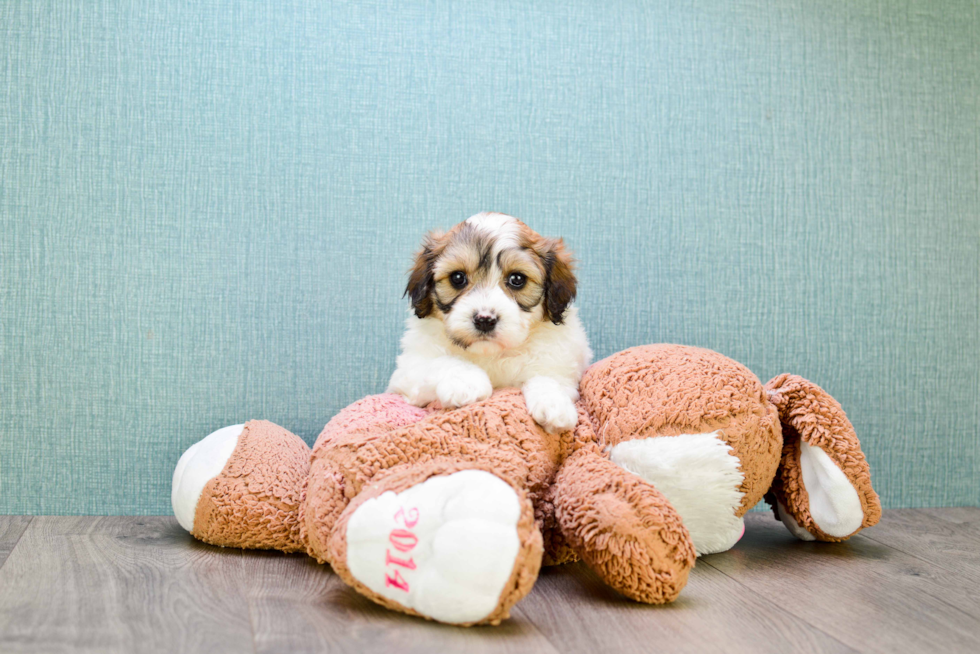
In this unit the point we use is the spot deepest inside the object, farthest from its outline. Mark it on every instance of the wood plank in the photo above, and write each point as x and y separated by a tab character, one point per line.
923	533
870	596
299	606
11	529
957	515
579	613
122	584
142	584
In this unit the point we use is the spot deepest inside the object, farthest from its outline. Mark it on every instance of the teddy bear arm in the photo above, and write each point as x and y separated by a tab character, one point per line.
623	527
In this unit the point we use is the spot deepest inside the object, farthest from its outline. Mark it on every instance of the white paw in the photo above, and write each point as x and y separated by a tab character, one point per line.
412	388
445	547
202	462
462	387
550	405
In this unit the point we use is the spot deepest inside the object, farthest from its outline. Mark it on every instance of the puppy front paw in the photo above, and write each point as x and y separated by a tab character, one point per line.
463	387
550	405
411	387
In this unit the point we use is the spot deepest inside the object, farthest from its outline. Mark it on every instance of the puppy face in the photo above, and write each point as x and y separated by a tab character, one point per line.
491	280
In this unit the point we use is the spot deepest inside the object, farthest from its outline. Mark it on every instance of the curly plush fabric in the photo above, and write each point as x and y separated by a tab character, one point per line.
624	528
574	501
666	390
330	493
809	414
526	564
254	502
497	434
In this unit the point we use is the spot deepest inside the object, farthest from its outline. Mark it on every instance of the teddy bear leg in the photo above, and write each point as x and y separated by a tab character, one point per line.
700	477
623	527
241	487
822	490
439	540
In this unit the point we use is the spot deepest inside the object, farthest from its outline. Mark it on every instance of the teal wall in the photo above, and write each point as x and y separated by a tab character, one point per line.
208	209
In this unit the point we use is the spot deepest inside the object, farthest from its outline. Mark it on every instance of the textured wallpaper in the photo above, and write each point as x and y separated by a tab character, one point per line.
207	210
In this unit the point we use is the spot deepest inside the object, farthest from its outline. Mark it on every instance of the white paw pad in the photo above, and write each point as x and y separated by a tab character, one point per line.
445	547
834	502
202	462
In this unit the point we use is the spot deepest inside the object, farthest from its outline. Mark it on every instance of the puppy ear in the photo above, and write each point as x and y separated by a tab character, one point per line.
560	283
421	281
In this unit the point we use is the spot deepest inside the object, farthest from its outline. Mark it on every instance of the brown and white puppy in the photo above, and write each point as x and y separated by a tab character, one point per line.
491	309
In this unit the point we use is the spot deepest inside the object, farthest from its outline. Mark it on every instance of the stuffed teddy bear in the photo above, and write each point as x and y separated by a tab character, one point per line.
449	514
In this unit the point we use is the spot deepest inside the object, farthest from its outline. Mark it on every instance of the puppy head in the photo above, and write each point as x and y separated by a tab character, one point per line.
491	280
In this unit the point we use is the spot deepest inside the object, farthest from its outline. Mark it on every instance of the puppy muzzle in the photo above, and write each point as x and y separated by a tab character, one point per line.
484	322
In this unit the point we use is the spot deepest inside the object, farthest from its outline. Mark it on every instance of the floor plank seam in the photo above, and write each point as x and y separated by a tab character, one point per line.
555	647
251	625
928	563
782	608
30	521
954	522
911	554
248	603
956	608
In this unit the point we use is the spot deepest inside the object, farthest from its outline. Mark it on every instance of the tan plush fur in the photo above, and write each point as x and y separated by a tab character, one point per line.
623	527
526	565
254	502
666	390
275	493
809	414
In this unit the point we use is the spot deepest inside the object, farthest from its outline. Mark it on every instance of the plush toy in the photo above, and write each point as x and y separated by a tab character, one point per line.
449	514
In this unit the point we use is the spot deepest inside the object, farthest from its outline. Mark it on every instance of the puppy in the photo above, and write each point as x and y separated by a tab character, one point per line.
491	309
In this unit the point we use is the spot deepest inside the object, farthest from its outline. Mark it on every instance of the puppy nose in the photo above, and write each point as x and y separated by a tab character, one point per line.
484	322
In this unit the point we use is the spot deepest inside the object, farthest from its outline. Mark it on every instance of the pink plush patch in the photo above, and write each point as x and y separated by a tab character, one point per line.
382	412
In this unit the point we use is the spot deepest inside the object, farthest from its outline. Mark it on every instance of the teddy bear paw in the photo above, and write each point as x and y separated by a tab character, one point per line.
202	461
445	547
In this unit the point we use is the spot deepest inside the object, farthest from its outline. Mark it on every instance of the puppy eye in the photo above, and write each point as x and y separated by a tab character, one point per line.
516	280
458	279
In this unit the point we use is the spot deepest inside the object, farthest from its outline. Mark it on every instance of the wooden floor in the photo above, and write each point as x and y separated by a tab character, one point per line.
137	584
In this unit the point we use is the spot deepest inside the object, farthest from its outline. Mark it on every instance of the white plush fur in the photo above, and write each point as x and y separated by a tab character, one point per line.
465	525
792	525
834	502
525	350
699	476
201	463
